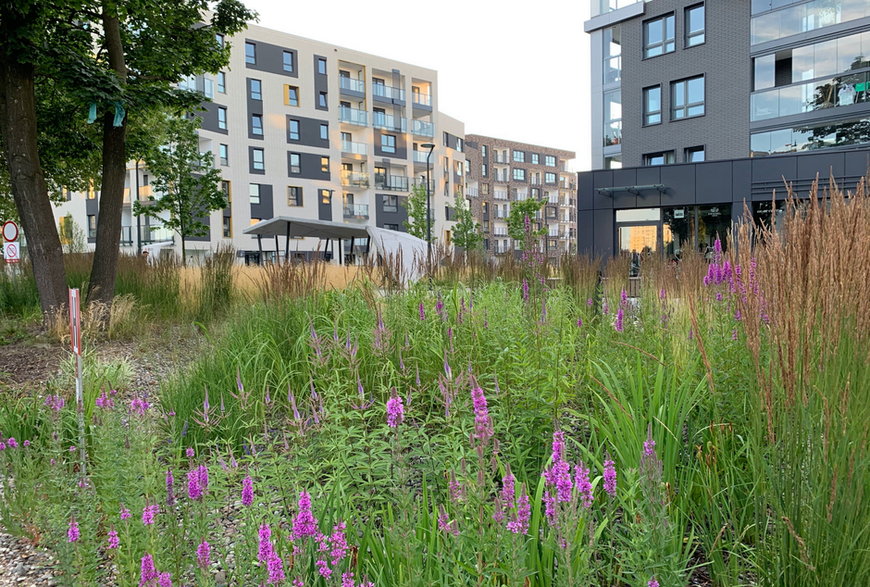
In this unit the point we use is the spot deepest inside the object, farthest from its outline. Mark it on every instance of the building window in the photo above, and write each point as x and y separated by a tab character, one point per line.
695	154
519	156
208	88
255	89
483	150
222	82
663	158
652	105
519	174
293	129
228	227
326	197
291	95
224	154
219	39
321	99
388	143
612	54
288	61
250	53
549	177
227	191
254	193
694	25
258	160
687	98
294	195
484	189
321	65
222	118
324	132
324	164
658	36
536	159
389	226
484	172
257	124
294	163
92	226
550	161
391	203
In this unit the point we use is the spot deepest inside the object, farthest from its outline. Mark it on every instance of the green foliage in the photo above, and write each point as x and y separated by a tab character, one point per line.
466	232
415	204
516	220
185	182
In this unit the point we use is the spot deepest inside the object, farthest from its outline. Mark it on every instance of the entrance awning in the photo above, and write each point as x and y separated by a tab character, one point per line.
288	226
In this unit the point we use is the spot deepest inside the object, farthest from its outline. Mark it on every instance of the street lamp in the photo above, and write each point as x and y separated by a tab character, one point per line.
431	148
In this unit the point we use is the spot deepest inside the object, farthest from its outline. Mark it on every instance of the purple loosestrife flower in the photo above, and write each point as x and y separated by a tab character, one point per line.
445	524
11	442
338	544
202	473
170	489
525	290
72	535
652	583
147	571
114	543
139	406
276	569
395	411
323	569
247	491
264	549
381	341
584	487
422	311
304	524
164	580
194	489
579	322
125	513
623	298
605	309
483	430
203	555
55	402
439	307
190	452
649	445
617	325
104	401
609	477
520	523
148	514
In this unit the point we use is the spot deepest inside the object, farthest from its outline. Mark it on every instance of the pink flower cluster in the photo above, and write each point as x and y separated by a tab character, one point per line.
395	411
150	577
266	555
197	482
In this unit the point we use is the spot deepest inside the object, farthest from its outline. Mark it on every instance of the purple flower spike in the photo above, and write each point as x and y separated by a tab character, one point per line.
147	571
73	534
395	410
653	582
422	310
203	555
609	477
247	491
304	524
114	542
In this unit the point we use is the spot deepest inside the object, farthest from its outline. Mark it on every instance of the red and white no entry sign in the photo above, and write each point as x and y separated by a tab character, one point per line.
10	231
10	252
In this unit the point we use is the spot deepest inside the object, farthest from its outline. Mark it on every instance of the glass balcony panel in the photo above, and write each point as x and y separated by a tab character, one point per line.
353	148
423	128
353	116
422	99
356	211
354	85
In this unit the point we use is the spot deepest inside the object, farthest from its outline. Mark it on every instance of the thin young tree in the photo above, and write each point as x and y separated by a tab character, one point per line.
185	184
415	204
466	231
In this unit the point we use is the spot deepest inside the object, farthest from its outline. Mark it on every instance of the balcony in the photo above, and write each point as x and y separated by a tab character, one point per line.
385	92
423	128
356	211
422	183
500	194
352	86
420	99
396	183
844	90
353	116
352	148
354	179
390	122
472	192
156	234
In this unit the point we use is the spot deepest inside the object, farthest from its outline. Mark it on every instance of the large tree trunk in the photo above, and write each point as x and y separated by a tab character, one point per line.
105	265
18	122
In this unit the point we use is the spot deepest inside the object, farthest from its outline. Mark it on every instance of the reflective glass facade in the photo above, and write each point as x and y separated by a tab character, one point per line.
809	137
801	18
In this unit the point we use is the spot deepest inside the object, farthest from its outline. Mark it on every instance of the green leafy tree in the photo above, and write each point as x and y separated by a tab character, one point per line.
415	204
516	220
185	182
466	232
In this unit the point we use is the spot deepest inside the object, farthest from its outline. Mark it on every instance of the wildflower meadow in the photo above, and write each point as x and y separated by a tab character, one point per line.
543	426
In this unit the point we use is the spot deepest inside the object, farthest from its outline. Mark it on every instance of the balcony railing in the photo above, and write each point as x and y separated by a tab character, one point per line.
126	236
500	194
353	148
396	183
354	178
420	156
422	183
353	116
844	90
383	91
360	211
421	99
472	192
354	85
155	234
390	122
423	128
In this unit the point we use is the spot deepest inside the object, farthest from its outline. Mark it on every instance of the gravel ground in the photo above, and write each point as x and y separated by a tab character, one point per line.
25	365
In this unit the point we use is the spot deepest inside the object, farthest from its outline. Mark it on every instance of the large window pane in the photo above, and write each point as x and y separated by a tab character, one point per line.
763	71
694	26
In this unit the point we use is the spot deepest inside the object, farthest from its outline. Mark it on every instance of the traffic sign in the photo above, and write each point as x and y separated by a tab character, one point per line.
11	253
10	231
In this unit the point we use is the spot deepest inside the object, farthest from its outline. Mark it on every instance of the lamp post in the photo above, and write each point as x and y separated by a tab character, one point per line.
431	148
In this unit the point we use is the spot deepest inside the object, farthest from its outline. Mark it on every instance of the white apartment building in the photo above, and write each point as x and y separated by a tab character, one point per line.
311	130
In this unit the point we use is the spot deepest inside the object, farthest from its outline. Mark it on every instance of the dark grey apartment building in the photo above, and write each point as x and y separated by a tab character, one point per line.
689	96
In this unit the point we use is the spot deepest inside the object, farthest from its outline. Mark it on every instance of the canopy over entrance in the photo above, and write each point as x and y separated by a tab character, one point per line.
386	243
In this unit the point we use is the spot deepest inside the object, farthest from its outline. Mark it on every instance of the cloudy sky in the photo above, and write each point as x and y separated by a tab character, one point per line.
515	73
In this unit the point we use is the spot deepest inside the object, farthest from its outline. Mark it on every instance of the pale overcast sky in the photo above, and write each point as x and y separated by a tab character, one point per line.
513	70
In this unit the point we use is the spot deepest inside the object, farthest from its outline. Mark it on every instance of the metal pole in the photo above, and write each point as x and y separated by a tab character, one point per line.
431	147
138	217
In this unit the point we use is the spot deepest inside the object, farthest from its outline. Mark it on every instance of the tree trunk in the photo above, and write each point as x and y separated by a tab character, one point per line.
29	190
105	265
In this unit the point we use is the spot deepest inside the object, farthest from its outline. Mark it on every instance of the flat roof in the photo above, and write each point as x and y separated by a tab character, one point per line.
291	226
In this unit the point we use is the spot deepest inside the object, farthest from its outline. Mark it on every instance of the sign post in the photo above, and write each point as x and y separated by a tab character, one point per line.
75	331
11	252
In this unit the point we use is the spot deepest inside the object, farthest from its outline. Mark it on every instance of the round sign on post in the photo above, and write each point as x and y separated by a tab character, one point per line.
10	231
